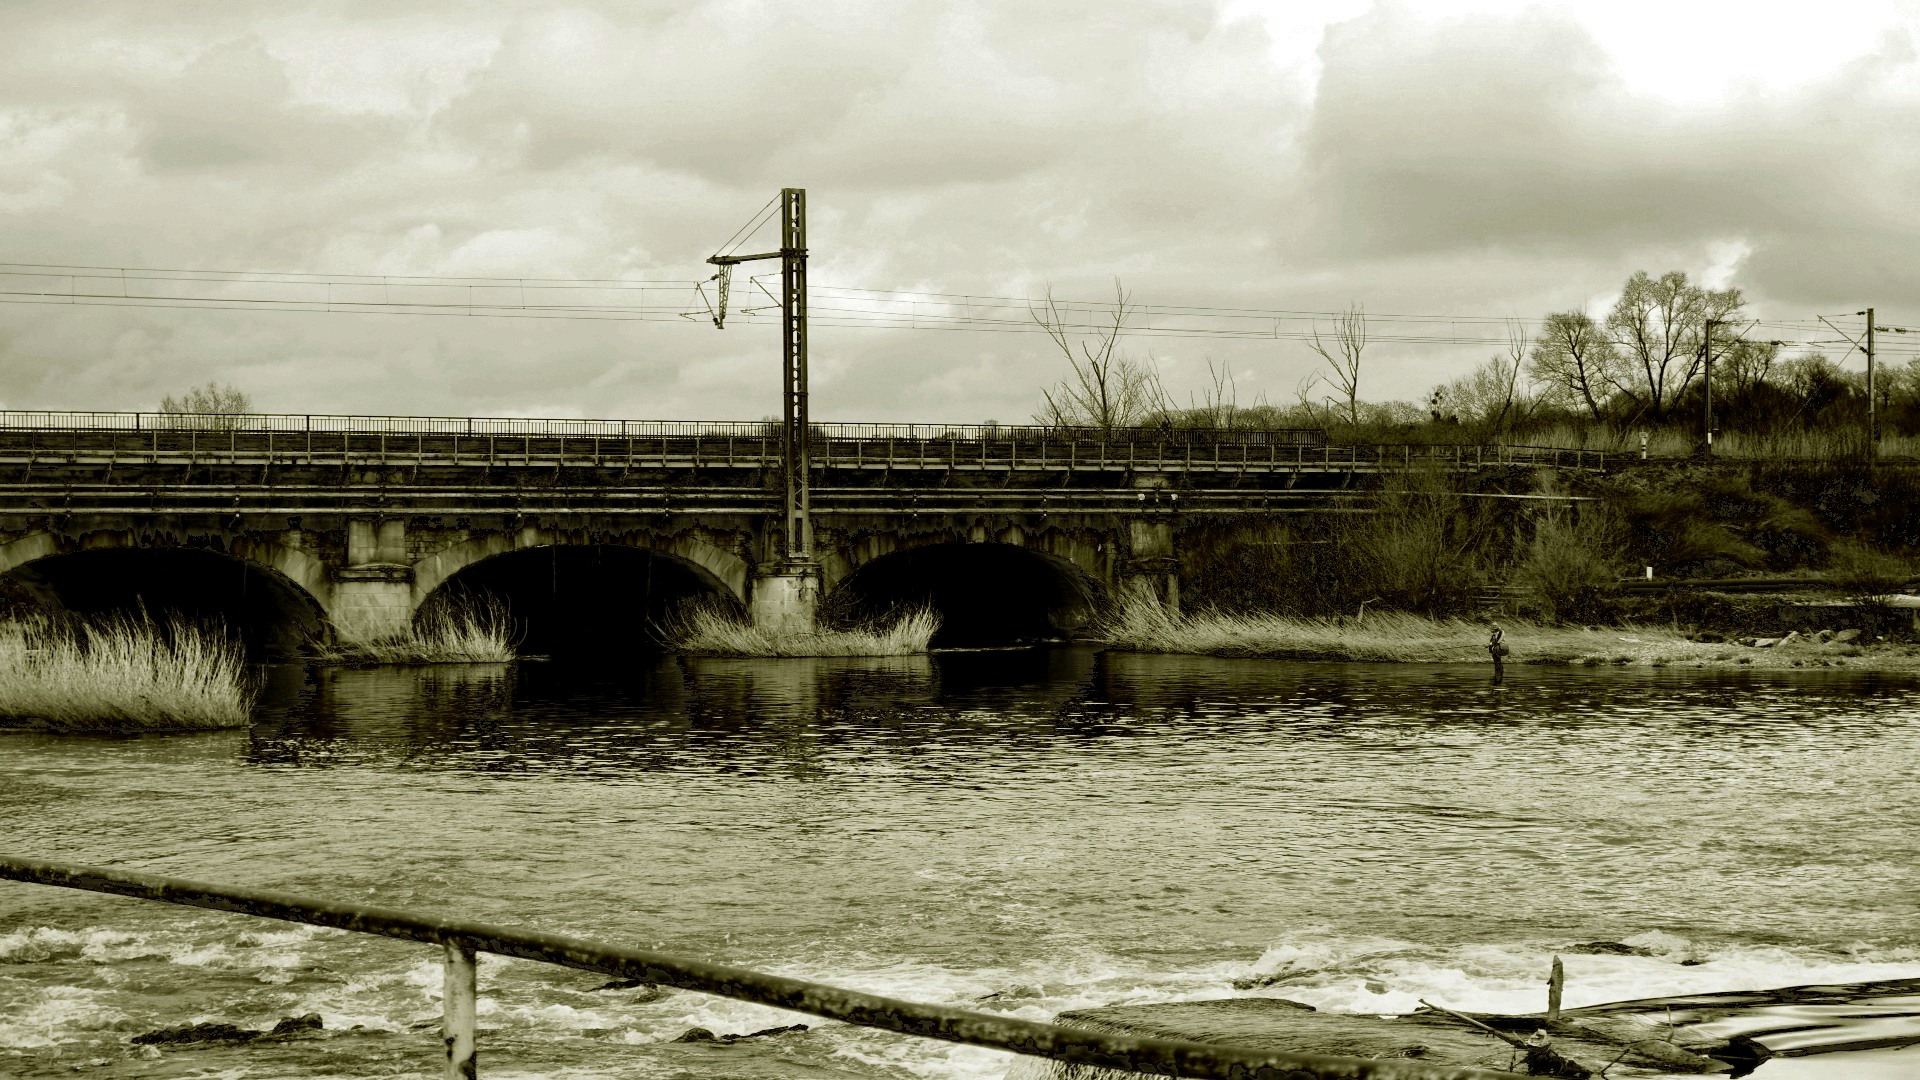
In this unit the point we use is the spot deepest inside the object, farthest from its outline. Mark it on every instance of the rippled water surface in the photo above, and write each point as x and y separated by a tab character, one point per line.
1021	832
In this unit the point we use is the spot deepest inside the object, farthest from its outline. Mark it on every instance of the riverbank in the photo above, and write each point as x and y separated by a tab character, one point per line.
1398	638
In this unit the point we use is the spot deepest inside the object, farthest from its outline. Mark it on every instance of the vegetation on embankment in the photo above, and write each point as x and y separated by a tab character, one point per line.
708	630
121	674
1402	638
1568	560
459	629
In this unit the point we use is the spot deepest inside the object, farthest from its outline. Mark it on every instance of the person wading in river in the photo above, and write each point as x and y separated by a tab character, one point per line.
1497	648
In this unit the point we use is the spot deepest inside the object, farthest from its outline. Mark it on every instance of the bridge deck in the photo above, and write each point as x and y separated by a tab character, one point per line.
142	466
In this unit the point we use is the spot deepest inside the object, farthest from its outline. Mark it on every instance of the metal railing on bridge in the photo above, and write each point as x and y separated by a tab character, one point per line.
267	439
461	941
646	429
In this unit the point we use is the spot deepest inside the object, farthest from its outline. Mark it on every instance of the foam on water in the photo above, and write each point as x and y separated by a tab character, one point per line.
1381	976
1363	974
56	1015
1336	972
40	943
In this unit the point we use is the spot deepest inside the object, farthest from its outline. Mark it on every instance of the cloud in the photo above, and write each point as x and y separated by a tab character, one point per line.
1516	137
1503	162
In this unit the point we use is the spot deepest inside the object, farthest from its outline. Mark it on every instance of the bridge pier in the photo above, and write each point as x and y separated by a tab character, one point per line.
1152	570
373	593
785	598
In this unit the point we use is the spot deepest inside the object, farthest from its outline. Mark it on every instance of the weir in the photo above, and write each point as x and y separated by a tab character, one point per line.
460	941
361	519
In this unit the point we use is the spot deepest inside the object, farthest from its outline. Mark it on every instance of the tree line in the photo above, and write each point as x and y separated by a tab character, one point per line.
1645	363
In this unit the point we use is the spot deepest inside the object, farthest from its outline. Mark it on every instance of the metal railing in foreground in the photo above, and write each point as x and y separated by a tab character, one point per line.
462	940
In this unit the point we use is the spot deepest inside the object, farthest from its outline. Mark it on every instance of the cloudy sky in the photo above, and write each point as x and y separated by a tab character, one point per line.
1467	161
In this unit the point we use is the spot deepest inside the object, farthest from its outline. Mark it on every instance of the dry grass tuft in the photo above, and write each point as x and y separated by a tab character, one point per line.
459	630
121	674
708	630
1669	442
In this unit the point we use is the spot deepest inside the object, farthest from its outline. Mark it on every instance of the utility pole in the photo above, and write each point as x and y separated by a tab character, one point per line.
1707	347
1873	431
795	458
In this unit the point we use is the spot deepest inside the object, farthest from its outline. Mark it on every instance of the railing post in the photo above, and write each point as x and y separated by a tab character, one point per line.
459	1001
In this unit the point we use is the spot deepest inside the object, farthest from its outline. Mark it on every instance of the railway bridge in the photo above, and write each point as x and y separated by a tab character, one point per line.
302	528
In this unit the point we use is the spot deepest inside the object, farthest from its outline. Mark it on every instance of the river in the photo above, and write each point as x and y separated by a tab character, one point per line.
1022	832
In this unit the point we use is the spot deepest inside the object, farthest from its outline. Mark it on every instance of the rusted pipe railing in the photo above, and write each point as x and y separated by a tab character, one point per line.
461	940
460	1009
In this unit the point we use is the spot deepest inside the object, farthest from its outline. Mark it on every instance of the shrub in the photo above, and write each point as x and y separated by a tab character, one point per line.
1866	575
1422	550
1720	524
1570	568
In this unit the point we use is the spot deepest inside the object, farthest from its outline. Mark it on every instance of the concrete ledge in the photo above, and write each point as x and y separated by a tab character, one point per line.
374	572
1260	1023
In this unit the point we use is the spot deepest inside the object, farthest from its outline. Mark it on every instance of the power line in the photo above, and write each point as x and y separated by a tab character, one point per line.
215	274
627	299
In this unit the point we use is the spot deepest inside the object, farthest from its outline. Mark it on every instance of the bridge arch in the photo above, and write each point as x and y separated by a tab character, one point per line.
277	603
724	570
989	589
567	593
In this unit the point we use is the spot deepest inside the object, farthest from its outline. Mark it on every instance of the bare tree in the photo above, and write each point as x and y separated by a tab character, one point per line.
1303	399
1492	395
209	400
1107	389
1348	340
1220	405
1903	384
1574	356
1659	325
210	407
1743	366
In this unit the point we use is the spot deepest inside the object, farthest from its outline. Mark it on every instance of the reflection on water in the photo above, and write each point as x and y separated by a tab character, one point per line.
1031	831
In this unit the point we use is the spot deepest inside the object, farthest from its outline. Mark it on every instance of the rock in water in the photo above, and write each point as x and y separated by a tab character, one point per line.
648	991
1261	982
294	1025
702	1035
196	1033
1608	948
622	984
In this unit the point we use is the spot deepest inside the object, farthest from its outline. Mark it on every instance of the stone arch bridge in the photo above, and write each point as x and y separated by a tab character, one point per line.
304	528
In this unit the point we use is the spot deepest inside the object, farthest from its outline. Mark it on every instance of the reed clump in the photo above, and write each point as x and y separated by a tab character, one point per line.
1141	625
463	629
121	674
709	630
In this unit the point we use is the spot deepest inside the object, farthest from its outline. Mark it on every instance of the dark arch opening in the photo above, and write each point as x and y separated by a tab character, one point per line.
582	600
985	594
273	617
